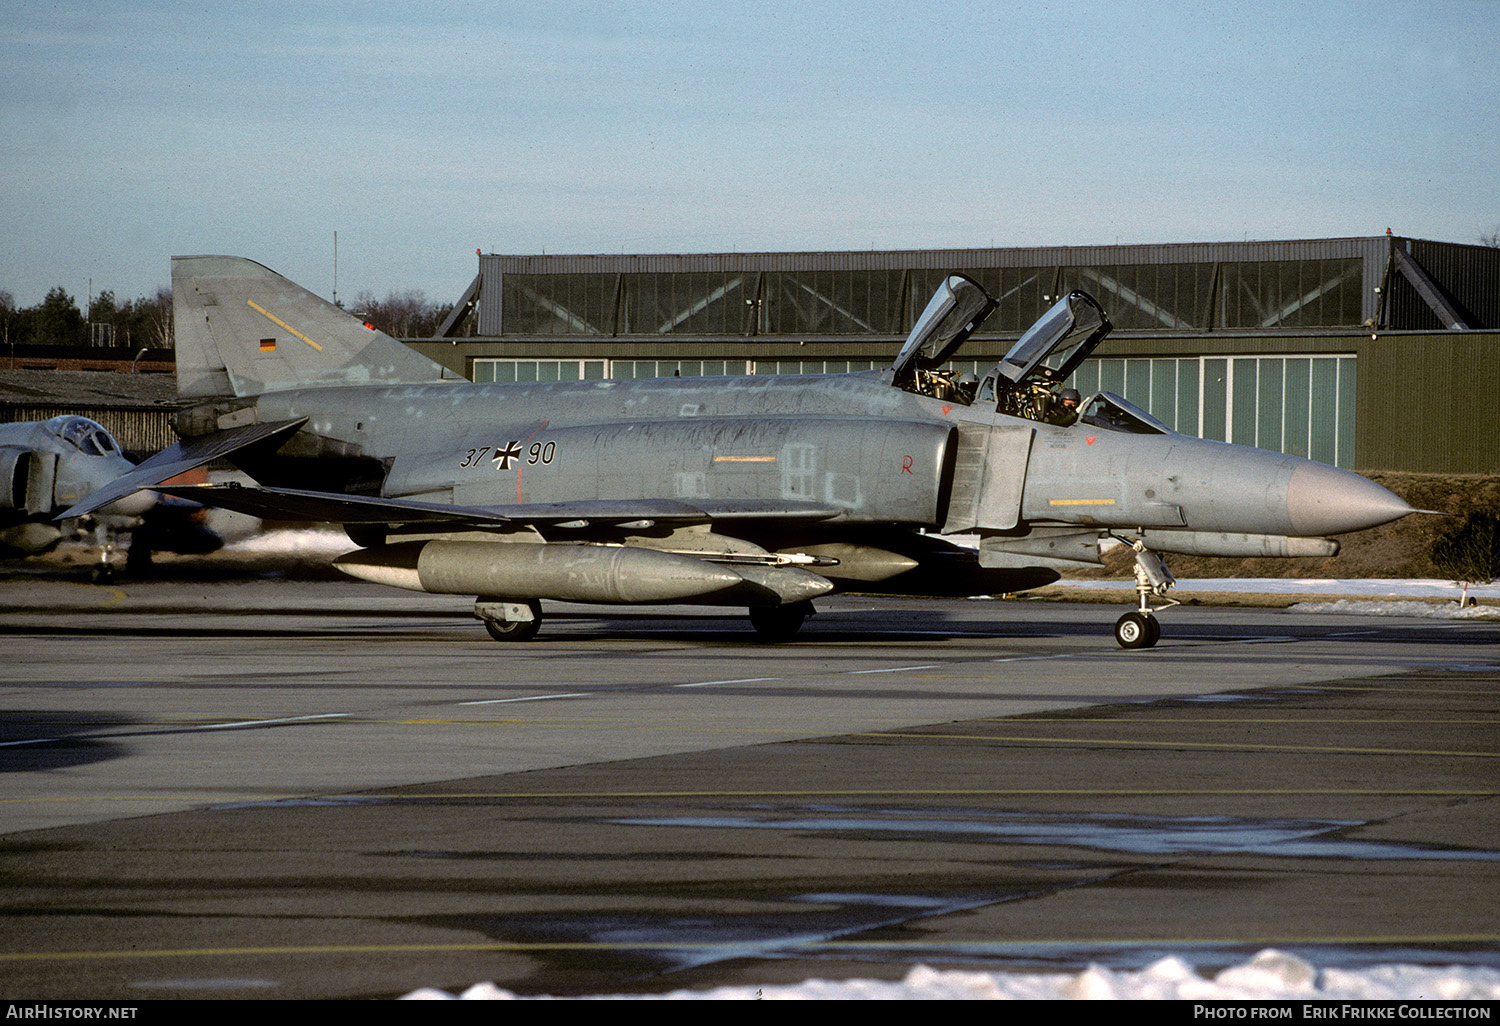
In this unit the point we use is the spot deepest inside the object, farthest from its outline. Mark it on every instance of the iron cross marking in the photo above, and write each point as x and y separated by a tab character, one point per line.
502	457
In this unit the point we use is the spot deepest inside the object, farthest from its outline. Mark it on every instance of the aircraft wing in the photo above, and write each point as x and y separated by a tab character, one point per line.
184	456
331	507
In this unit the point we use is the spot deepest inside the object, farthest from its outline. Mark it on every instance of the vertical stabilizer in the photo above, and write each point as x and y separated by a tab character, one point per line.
243	329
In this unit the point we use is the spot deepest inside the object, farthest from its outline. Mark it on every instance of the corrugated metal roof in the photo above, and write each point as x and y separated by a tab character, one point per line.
942	259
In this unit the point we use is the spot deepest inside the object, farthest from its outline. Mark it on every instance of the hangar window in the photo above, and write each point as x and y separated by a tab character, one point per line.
676	368
508	371
1289	294
1298	404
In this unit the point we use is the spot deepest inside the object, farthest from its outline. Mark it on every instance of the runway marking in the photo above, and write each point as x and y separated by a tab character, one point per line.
898	669
266	723
960	792
741	680
786	943
115	595
178	730
220	800
1215	745
527	698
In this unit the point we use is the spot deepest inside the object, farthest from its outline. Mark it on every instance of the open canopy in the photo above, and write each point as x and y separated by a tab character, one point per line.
955	311
1055	345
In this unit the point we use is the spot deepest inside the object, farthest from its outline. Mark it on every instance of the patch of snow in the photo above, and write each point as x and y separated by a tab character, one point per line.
1355	607
1270	975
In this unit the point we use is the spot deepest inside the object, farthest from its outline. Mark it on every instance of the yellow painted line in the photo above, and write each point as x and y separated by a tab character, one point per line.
1421	687
953	792
685	724
115	595
215	798
1236	720
916	944
1003	792
1080	502
744	459
1214	745
281	323
987	792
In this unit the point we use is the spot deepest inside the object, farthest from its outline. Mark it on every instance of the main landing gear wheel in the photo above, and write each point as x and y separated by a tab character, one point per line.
510	621
1137	630
512	630
778	623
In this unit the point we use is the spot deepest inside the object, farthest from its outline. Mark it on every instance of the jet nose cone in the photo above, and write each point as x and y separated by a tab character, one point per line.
1322	500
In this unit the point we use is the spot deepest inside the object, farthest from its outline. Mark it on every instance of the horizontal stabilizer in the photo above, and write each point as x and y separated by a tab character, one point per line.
187	455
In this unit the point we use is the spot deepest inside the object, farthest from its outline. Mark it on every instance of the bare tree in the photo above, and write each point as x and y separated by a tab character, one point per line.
158	318
7	313
1490	238
401	314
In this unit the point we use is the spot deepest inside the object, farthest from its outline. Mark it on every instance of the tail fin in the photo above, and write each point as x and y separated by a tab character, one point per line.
243	329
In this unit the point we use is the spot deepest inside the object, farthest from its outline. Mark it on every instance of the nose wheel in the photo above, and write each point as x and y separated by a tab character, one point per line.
1137	629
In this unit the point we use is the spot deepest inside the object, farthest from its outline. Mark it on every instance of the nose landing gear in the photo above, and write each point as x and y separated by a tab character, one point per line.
1139	628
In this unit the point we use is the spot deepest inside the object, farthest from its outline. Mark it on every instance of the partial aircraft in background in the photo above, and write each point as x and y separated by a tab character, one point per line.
759	491
47	466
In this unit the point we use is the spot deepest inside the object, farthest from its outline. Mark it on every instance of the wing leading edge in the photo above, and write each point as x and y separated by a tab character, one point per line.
186	455
329	507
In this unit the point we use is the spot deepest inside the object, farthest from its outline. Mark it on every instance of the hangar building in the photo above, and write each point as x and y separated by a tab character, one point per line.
1368	353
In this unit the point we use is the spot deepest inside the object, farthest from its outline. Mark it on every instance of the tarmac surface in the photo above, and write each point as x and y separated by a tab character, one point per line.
277	789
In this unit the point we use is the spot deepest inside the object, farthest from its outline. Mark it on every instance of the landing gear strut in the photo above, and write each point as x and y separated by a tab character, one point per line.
1139	628
104	539
509	621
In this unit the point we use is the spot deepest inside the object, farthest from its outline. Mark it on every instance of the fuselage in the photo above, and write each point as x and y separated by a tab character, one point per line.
877	452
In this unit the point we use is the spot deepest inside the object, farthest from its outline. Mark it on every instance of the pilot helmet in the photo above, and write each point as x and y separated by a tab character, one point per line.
1069	396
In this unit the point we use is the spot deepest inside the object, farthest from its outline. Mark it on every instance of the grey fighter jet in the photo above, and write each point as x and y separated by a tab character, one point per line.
765	492
49	465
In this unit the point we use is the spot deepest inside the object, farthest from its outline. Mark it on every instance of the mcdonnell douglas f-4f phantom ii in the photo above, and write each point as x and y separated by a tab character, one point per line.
757	491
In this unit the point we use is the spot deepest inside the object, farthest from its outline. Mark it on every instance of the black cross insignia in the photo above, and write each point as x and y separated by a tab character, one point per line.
512	451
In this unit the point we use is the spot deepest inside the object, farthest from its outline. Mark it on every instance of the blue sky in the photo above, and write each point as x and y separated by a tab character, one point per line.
420	132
